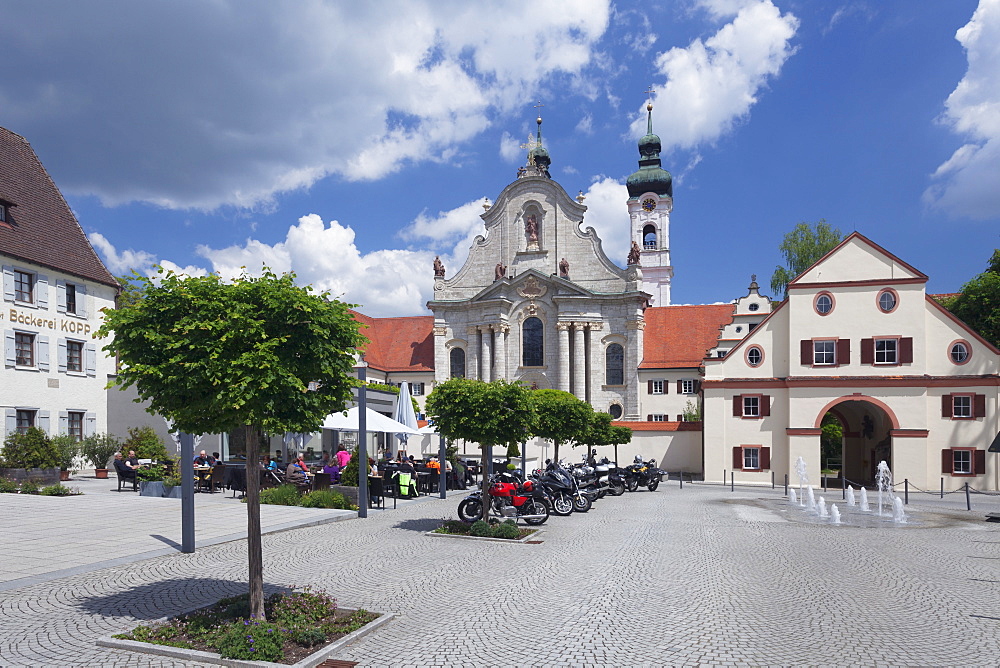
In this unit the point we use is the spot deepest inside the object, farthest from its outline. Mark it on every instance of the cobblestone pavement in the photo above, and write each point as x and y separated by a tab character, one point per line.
699	576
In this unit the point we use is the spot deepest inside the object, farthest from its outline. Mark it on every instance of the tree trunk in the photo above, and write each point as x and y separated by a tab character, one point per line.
255	556
556	456
484	469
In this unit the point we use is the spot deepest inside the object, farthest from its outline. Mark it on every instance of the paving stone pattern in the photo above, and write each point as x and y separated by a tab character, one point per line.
699	576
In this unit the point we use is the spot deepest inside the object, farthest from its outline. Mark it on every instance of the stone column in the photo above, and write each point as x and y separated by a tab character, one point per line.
486	358
500	351
579	361
633	355
442	357
597	363
472	359
563	329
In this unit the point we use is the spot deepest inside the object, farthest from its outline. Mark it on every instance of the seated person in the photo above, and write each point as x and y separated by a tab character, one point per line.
343	457
123	471
270	464
295	474
132	461
325	460
333	470
434	464
203	460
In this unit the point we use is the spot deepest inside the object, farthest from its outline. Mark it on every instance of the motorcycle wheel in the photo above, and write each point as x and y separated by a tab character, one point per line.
632	484
470	510
537	508
653	484
581	503
617	488
562	505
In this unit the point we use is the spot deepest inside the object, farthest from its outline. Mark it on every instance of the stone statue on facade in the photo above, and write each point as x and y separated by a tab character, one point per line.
500	272
531	228
438	266
563	268
633	254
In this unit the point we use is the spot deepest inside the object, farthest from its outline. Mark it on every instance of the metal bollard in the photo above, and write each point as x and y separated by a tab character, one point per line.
732	485
772	479
906	491
824	482
682	479
942	488
786	484
968	500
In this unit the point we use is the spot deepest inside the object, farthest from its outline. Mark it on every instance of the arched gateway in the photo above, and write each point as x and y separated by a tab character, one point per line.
867	426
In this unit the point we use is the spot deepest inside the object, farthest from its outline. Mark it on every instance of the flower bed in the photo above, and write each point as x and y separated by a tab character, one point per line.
33	487
506	530
298	624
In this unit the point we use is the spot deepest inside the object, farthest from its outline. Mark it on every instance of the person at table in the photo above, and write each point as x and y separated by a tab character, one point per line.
343	457
122	469
332	469
434	464
205	464
270	463
325	460
295	474
204	460
132	461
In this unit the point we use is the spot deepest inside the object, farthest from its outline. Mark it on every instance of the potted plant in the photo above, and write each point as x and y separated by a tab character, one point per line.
30	456
68	448
151	480
98	449
172	486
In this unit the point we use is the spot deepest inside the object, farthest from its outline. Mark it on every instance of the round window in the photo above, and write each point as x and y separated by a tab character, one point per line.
739	329
887	301
615	411
824	304
754	307
755	356
959	352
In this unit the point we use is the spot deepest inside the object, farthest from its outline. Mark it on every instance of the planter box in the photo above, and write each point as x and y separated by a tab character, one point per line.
172	492
151	488
350	493
45	477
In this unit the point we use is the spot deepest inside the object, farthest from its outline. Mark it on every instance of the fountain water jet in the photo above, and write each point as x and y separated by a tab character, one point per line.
800	470
850	496
791	495
810	499
834	513
821	506
898	515
864	500
883	479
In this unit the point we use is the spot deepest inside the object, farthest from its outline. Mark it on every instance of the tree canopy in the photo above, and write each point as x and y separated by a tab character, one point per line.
978	304
257	353
801	248
562	418
600	431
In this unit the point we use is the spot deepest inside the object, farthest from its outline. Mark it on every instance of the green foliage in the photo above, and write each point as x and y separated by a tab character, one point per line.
831	438
801	248
496	413
306	608
349	474
480	528
562	418
31	450
131	290
172	480
68	448
8	486
692	411
29	487
146	443
253	639
325	498
978	304
100	448
283	495
215	356
57	490
600	431
508	530
153	473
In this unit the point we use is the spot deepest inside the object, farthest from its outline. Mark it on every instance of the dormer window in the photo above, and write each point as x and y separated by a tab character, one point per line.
754	307
3	212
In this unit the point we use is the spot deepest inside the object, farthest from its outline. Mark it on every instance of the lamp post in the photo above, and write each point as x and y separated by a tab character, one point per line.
362	368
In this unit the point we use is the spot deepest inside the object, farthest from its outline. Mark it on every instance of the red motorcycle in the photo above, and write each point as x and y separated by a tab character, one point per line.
509	498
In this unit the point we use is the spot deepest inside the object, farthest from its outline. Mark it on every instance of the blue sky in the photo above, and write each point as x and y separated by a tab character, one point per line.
352	144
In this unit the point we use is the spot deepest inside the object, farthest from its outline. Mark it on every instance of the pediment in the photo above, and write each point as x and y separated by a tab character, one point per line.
855	259
531	285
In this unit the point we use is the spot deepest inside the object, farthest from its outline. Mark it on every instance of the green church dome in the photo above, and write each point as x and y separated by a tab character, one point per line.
650	177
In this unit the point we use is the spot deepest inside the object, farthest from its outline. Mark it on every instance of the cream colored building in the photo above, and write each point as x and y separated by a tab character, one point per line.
859	337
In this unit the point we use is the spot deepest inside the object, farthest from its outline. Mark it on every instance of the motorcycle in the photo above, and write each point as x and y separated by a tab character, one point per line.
560	488
641	473
508	498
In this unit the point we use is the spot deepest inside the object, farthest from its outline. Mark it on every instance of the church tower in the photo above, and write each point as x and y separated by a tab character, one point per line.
650	200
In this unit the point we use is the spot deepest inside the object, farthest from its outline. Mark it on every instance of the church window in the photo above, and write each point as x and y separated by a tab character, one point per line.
532	346
458	363
615	411
615	364
649	237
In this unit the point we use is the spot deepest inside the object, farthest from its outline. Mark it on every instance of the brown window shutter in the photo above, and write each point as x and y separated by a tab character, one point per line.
765	405
979	462
843	352
649	387
979	406
666	386
649	418
868	351
946	406
806	352
697	386
738	405
906	350
680	418
947	461
765	458
737	458
680	386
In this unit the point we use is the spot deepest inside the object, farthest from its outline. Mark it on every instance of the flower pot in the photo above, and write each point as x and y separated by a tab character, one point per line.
172	492
151	488
101	474
63	476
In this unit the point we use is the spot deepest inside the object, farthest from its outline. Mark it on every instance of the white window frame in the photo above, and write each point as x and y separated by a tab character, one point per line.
963	467
658	386
965	409
751	458
33	344
31	416
751	406
659	417
19	293
687	386
891	295
825	352
964	354
885	352
417	389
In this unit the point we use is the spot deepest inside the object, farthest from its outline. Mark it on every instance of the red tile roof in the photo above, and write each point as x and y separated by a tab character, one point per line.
680	336
40	227
658	426
399	344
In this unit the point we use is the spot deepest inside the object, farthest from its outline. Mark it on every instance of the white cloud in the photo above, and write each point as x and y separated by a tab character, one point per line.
269	97
607	214
119	263
712	84
966	183
510	148
586	125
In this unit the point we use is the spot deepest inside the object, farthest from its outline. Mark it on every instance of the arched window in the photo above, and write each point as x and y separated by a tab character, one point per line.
533	350
649	236
614	364
458	363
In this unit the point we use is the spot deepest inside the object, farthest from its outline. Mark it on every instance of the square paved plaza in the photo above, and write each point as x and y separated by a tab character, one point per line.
692	576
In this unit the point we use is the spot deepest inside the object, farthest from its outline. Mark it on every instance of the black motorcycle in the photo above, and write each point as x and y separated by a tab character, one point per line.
642	474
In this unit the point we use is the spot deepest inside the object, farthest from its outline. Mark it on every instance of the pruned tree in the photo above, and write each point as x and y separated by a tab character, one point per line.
802	247
490	414
978	304
215	355
600	431
562	418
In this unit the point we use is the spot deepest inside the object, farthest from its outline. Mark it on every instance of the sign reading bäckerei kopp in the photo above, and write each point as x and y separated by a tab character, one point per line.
70	325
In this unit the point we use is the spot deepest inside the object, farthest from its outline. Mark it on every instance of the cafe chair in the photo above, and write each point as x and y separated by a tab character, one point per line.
321	481
125	475
376	492
217	478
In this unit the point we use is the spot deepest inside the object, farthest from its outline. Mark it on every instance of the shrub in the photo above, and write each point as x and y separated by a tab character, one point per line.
56	490
146	443
325	498
481	529
283	495
172	480
253	639
152	473
308	637
31	450
99	448
349	474
509	531
8	486
29	487
302	608
68	448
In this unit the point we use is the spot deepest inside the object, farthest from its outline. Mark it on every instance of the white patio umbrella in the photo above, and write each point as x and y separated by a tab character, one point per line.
375	422
404	413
